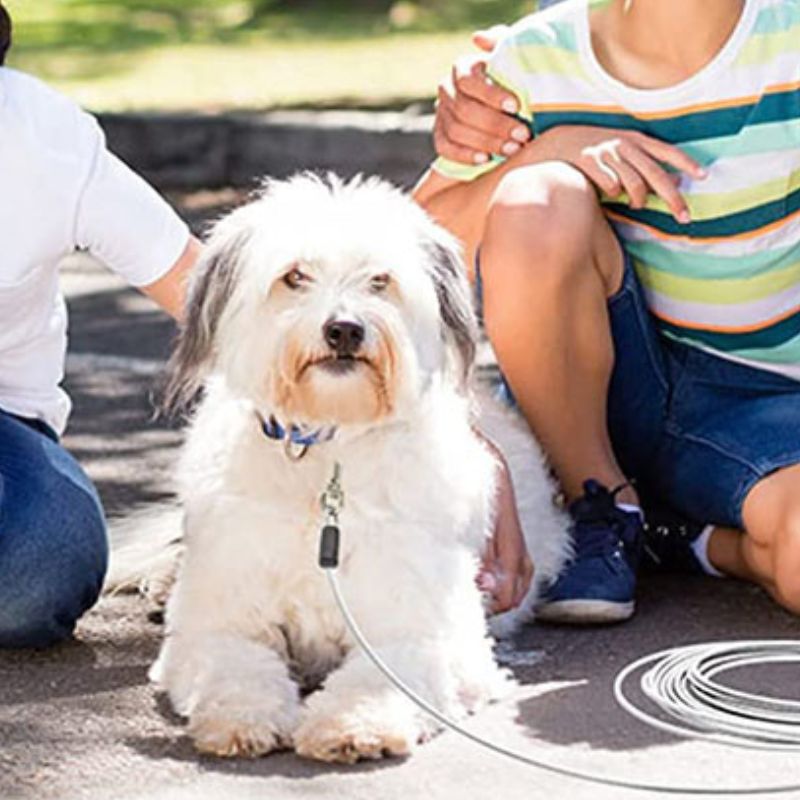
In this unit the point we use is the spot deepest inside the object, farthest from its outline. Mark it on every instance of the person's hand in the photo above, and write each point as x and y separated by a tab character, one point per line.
473	114
621	161
506	569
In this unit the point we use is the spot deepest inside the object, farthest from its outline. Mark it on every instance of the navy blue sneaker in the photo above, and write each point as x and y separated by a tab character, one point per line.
668	540
598	585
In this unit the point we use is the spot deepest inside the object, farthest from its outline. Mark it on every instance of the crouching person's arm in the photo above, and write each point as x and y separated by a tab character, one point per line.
484	130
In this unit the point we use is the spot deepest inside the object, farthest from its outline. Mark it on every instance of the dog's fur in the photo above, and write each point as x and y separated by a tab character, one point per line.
251	623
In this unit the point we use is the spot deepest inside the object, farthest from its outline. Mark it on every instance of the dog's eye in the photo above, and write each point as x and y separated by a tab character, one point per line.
295	279
379	283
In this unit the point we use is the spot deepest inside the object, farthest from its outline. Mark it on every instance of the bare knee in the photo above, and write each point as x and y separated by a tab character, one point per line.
786	561
772	520
545	216
551	206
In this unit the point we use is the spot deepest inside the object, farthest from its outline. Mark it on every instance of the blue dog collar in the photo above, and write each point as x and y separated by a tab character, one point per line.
295	435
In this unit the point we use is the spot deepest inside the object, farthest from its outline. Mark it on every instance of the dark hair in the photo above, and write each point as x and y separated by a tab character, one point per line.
5	33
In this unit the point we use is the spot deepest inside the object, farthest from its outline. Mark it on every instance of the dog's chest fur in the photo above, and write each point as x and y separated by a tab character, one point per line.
256	515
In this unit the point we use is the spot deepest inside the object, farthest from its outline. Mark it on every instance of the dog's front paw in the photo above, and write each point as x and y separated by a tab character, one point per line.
346	739
231	738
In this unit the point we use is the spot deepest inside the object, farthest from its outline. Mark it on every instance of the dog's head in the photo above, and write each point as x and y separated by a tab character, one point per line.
325	302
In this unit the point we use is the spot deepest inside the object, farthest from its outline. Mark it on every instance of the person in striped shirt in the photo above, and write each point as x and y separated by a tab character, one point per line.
634	222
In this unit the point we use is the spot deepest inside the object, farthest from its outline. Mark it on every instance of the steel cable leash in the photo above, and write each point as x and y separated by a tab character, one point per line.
680	683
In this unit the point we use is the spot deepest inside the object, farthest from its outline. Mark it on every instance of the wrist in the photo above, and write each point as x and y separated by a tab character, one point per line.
542	148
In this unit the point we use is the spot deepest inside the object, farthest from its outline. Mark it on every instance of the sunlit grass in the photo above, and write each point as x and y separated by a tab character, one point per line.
215	54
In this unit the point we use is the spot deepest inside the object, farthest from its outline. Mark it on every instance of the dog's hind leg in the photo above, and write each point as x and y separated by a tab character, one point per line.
145	552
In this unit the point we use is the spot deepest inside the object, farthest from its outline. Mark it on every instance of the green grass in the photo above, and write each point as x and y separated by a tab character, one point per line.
213	55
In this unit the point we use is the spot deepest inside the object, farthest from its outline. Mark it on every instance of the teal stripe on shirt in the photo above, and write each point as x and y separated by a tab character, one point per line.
558	35
750	220
694	127
696	264
764	339
786	353
777	19
769	137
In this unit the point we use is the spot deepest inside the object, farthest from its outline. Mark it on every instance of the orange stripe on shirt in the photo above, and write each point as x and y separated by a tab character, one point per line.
697	108
695	326
682	237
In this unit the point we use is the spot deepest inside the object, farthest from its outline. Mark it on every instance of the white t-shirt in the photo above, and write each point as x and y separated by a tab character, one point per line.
61	190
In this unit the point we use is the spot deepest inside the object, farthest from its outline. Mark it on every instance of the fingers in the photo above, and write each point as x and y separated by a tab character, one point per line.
487	40
648	159
631	181
495	577
594	165
468	124
490	554
624	165
660	182
513	572
486	582
467	129
523	583
669	154
511	586
504	592
444	130
470	79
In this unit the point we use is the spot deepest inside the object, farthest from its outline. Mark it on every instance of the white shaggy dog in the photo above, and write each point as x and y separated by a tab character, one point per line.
337	313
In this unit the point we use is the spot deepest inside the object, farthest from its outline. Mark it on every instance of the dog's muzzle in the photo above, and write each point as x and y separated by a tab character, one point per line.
345	338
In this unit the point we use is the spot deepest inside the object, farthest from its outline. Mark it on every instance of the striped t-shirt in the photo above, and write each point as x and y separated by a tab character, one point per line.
728	281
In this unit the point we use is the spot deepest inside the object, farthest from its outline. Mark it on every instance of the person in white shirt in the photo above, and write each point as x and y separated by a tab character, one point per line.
61	191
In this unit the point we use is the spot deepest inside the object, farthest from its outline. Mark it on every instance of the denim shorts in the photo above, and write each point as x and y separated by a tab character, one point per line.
694	431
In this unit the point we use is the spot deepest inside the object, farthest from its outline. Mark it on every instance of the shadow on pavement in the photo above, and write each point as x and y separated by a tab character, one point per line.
672	611
284	764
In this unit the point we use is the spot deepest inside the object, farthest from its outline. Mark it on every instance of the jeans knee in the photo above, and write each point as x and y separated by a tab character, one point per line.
46	612
53	571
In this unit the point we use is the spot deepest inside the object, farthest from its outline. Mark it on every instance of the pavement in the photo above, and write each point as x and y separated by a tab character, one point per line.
80	721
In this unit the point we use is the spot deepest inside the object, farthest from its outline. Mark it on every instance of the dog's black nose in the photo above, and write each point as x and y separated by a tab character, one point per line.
344	336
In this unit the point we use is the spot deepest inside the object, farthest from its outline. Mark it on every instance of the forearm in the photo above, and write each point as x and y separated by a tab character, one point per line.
462	207
170	290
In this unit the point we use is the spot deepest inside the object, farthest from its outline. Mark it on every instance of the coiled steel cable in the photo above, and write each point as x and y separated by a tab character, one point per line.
683	684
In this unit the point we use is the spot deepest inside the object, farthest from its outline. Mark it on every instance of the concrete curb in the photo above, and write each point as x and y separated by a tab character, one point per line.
187	151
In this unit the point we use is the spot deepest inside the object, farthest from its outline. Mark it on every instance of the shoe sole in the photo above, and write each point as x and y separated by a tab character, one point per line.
585	612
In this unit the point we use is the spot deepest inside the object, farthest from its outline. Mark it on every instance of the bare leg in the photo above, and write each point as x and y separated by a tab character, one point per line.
770	549
768	553
549	262
725	554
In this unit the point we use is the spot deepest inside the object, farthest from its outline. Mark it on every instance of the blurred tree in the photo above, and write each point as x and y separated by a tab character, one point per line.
451	8
262	7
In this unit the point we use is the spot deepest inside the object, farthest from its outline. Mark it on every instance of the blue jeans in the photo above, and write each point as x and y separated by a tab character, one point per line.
694	431
53	546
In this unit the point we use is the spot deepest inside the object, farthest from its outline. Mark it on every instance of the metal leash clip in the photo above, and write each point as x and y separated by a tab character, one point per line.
332	502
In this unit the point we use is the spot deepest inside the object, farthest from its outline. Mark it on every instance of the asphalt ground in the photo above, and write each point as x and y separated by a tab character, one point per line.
80	721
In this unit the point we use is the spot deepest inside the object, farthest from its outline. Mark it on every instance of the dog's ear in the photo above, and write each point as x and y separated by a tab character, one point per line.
210	289
459	323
